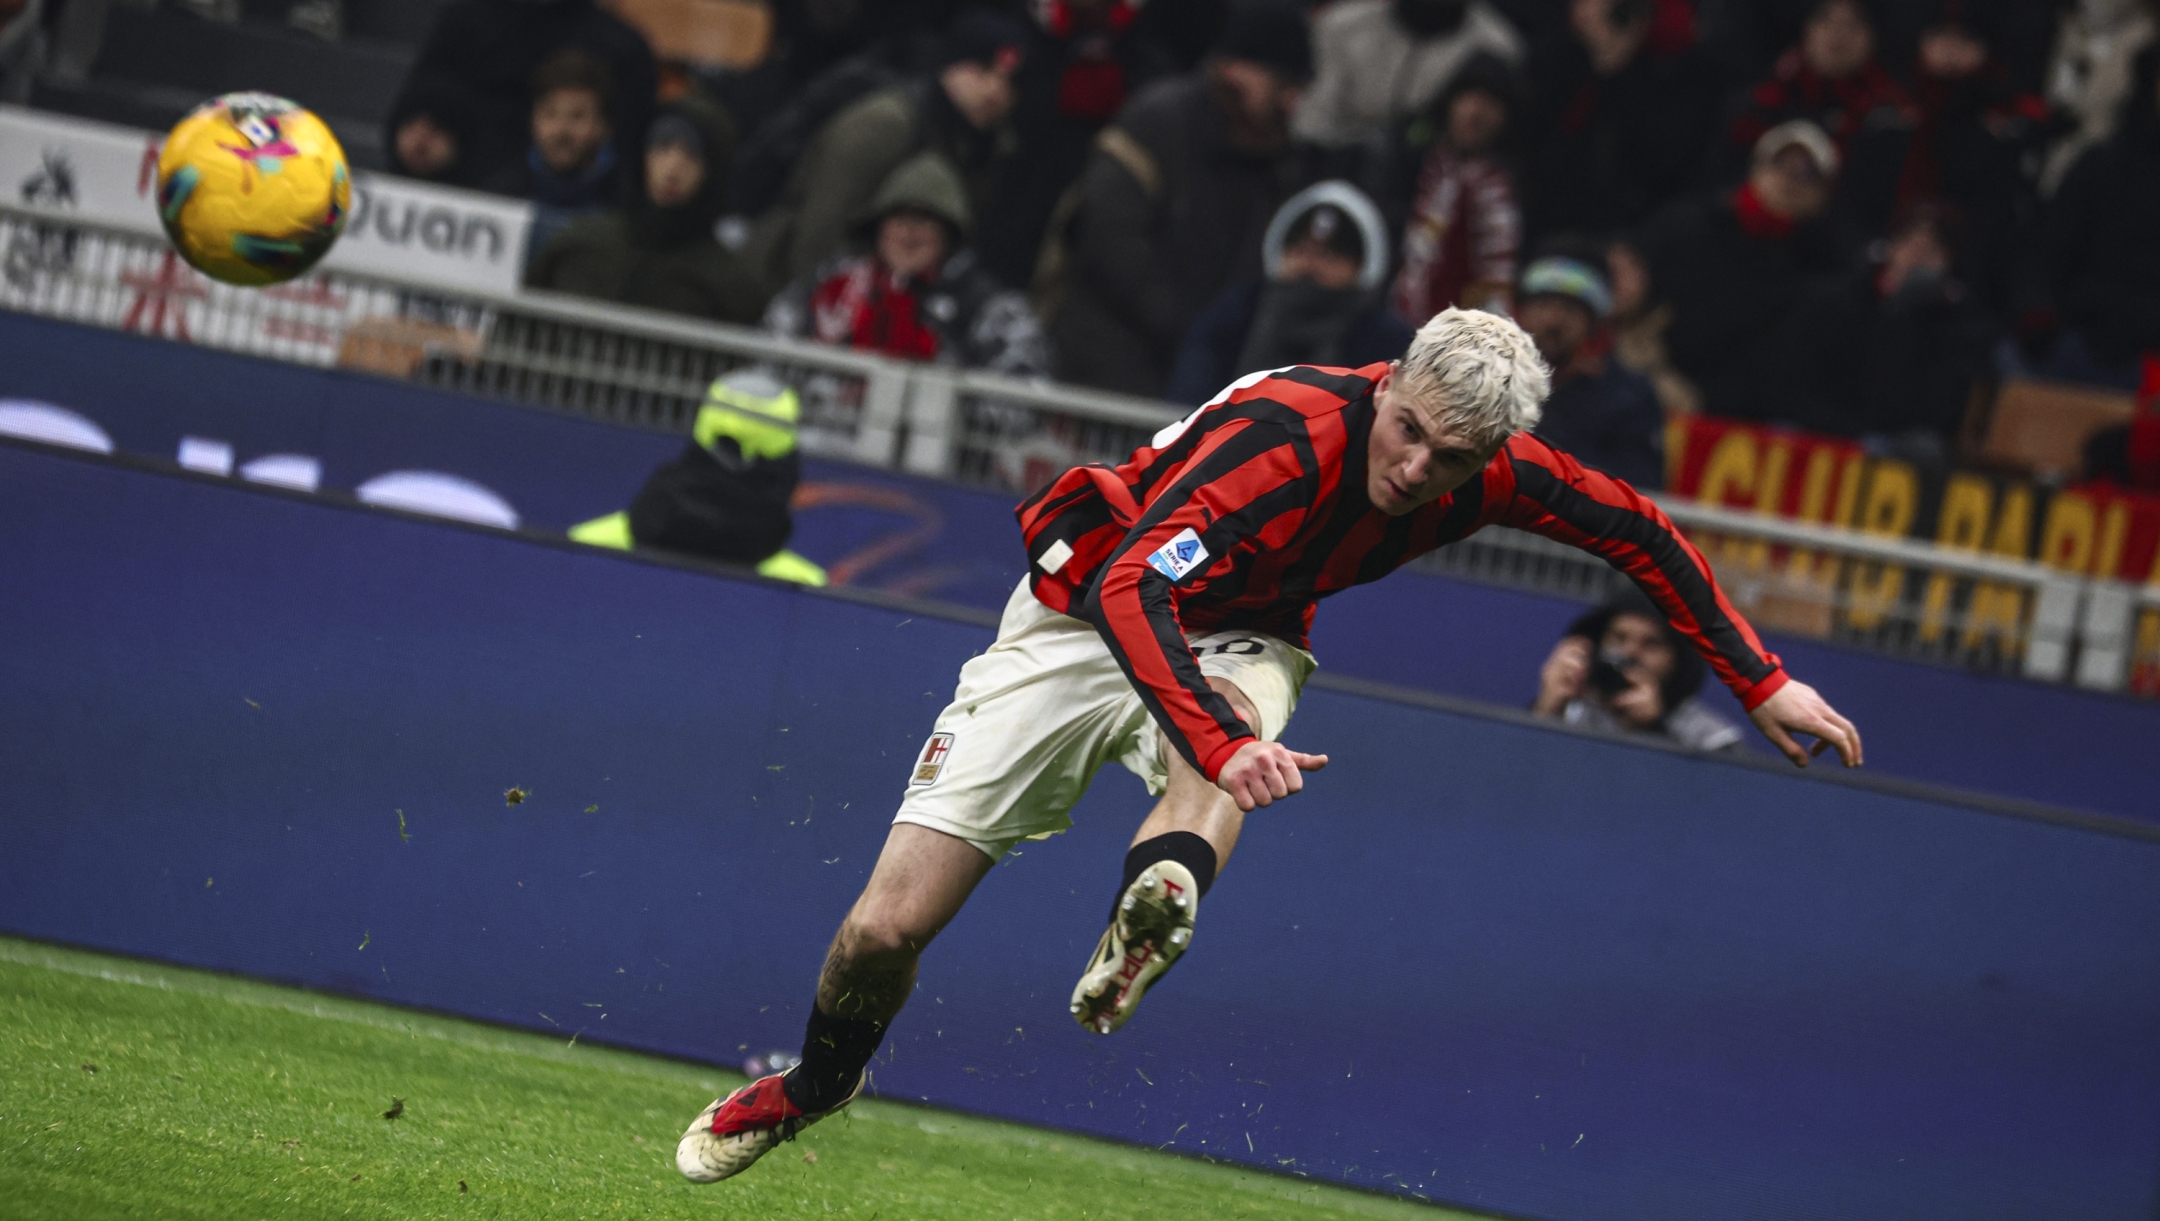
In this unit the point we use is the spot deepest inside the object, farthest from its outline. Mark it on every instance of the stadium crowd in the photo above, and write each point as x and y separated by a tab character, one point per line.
1850	216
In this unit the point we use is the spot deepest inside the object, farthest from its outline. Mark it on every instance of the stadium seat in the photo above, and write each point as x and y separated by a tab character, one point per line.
2041	427
732	34
395	347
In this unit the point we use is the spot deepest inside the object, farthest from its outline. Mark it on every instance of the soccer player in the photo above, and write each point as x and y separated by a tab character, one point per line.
1163	625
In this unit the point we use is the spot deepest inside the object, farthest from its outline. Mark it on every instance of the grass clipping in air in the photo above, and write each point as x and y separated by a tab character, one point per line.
135	1090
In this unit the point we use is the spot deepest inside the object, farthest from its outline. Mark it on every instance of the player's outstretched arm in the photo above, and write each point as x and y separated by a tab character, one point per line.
1262	773
1797	709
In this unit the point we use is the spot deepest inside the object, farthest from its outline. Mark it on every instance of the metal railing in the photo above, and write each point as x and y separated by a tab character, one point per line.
650	370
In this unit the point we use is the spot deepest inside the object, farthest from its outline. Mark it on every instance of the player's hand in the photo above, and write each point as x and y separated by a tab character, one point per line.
1262	773
1562	678
1796	708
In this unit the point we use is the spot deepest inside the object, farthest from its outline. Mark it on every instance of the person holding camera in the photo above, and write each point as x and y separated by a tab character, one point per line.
1622	668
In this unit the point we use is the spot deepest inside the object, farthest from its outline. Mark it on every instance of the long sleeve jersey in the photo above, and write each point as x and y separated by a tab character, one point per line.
1247	513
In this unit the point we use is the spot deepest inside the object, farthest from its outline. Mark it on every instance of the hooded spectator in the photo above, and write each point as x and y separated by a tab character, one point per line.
487	51
1605	415
2102	247
430	133
1623	669
1627	103
1173	204
1834	80
918	292
1890	354
571	168
659	251
1732	267
1976	131
959	111
1326	258
1381	61
1085	59
1463	231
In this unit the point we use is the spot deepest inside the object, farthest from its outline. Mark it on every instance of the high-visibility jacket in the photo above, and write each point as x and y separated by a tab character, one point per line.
725	497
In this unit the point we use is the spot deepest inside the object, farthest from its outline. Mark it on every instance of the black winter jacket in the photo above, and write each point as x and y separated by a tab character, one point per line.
1145	256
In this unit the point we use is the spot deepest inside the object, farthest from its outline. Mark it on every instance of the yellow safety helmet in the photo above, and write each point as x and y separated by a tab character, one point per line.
755	408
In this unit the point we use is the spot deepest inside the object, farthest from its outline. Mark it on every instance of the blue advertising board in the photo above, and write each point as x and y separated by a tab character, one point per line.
923	538
1480	960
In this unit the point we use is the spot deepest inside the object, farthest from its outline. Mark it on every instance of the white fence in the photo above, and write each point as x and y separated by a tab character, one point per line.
650	370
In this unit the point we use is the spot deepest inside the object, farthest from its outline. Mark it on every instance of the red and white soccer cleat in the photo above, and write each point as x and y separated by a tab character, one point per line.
1154	926
743	1127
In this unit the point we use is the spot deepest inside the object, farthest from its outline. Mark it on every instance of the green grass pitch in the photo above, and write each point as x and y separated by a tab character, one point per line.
135	1090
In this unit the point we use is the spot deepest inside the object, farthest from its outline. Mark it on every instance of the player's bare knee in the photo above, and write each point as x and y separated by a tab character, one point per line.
882	934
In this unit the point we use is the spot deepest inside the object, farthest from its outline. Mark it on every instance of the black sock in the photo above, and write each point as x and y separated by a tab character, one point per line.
835	1052
1183	847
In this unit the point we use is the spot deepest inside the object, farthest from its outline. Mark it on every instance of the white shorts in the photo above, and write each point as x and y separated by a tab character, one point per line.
1033	718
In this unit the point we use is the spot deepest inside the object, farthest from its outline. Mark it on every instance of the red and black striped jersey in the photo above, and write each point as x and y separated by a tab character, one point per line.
1247	513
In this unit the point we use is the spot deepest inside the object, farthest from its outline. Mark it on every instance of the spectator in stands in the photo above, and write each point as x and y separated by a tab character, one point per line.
789	98
812	39
1627	103
1732	266
1976	130
1745	37
1833	80
430	133
2090	76
1464	228
1326	258
659	251
486	51
1173	204
959	111
917	292
2102	248
1380	61
571	167
1085	59
1606	415
1890	354
1623	669
1639	322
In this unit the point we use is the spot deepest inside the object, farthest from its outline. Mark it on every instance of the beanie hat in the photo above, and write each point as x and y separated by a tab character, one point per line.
1270	33
672	127
980	36
1570	278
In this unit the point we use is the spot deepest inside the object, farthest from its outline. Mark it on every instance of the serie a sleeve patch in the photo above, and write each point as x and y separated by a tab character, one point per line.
1180	556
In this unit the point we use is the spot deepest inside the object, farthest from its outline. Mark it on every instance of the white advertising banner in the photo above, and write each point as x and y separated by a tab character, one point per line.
411	232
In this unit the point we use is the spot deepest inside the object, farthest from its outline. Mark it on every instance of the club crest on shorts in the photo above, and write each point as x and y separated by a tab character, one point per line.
932	760
1179	556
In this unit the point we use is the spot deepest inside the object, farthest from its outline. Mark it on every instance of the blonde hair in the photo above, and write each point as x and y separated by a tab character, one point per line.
1477	373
